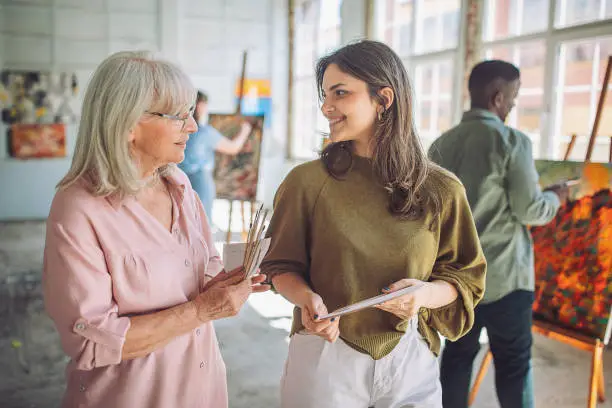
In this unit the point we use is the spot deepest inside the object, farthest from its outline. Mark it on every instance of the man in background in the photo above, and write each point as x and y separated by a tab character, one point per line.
495	164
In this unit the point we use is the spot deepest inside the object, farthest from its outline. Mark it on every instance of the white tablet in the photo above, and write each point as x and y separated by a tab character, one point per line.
373	301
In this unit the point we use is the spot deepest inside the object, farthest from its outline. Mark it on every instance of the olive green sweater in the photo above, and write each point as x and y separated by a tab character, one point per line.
339	235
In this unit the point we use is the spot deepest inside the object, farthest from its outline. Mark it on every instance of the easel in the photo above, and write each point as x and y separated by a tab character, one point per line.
231	202
244	230
569	337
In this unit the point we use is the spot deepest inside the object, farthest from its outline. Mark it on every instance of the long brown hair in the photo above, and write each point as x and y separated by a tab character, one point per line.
399	160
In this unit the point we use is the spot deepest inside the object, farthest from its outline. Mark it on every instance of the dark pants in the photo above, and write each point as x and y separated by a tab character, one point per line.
508	324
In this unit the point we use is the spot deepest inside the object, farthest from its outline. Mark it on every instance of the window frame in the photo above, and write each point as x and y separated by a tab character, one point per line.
297	150
416	58
553	38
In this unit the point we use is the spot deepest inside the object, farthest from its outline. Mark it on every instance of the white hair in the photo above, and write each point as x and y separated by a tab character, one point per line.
123	87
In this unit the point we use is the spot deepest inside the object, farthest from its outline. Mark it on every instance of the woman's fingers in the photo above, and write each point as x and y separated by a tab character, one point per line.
400	284
318	326
261	288
228	278
258	279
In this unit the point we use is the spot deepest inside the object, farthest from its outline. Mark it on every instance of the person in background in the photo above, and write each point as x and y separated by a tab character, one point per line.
372	215
199	160
495	164
131	276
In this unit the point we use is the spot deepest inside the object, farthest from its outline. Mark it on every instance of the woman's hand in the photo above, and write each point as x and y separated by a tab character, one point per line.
407	306
314	307
246	127
224	295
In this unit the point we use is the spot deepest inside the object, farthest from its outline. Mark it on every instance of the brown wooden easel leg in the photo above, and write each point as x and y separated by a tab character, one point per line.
482	371
601	384
570	147
596	366
229	223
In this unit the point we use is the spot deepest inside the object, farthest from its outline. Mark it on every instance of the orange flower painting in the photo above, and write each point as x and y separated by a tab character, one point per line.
573	254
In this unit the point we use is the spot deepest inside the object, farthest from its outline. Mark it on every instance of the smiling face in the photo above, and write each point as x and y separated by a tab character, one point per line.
348	107
157	141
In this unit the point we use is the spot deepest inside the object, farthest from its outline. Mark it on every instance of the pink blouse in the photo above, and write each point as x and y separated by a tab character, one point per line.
107	259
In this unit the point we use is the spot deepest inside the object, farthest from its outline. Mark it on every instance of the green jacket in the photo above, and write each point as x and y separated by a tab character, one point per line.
495	164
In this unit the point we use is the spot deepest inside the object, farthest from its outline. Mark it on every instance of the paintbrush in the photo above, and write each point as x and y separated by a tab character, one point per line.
254	240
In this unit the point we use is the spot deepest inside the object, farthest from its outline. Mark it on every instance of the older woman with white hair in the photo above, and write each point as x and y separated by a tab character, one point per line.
131	277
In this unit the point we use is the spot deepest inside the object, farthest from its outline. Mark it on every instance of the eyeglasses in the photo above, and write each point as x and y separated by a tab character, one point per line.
179	118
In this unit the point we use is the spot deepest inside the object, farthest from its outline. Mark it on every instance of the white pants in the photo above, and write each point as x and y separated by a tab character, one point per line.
319	374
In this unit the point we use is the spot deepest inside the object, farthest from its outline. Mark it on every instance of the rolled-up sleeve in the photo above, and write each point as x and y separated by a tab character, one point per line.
460	262
289	230
78	295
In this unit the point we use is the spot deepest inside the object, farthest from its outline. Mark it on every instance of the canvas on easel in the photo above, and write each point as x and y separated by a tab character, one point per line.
236	177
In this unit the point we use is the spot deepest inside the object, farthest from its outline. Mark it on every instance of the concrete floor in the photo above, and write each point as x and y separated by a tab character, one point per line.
254	344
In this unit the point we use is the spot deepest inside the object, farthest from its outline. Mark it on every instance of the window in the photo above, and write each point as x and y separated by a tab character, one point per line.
317	32
559	92
510	18
560	46
425	34
574	12
433	87
579	84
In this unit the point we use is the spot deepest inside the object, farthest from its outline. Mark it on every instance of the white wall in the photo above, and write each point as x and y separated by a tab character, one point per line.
205	37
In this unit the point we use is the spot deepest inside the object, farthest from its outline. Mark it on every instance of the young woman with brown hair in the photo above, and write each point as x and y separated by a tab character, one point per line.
373	214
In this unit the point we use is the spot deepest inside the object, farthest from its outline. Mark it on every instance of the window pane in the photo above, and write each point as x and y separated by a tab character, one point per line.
444	116
534	16
304	130
397	24
578	63
446	78
583	64
437	25
508	18
528	114
329	26
580	12
433	91
529	57
305	25
575	117
424	116
317	31
424	80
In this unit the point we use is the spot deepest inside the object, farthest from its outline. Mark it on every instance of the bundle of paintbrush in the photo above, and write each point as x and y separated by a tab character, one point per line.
256	245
